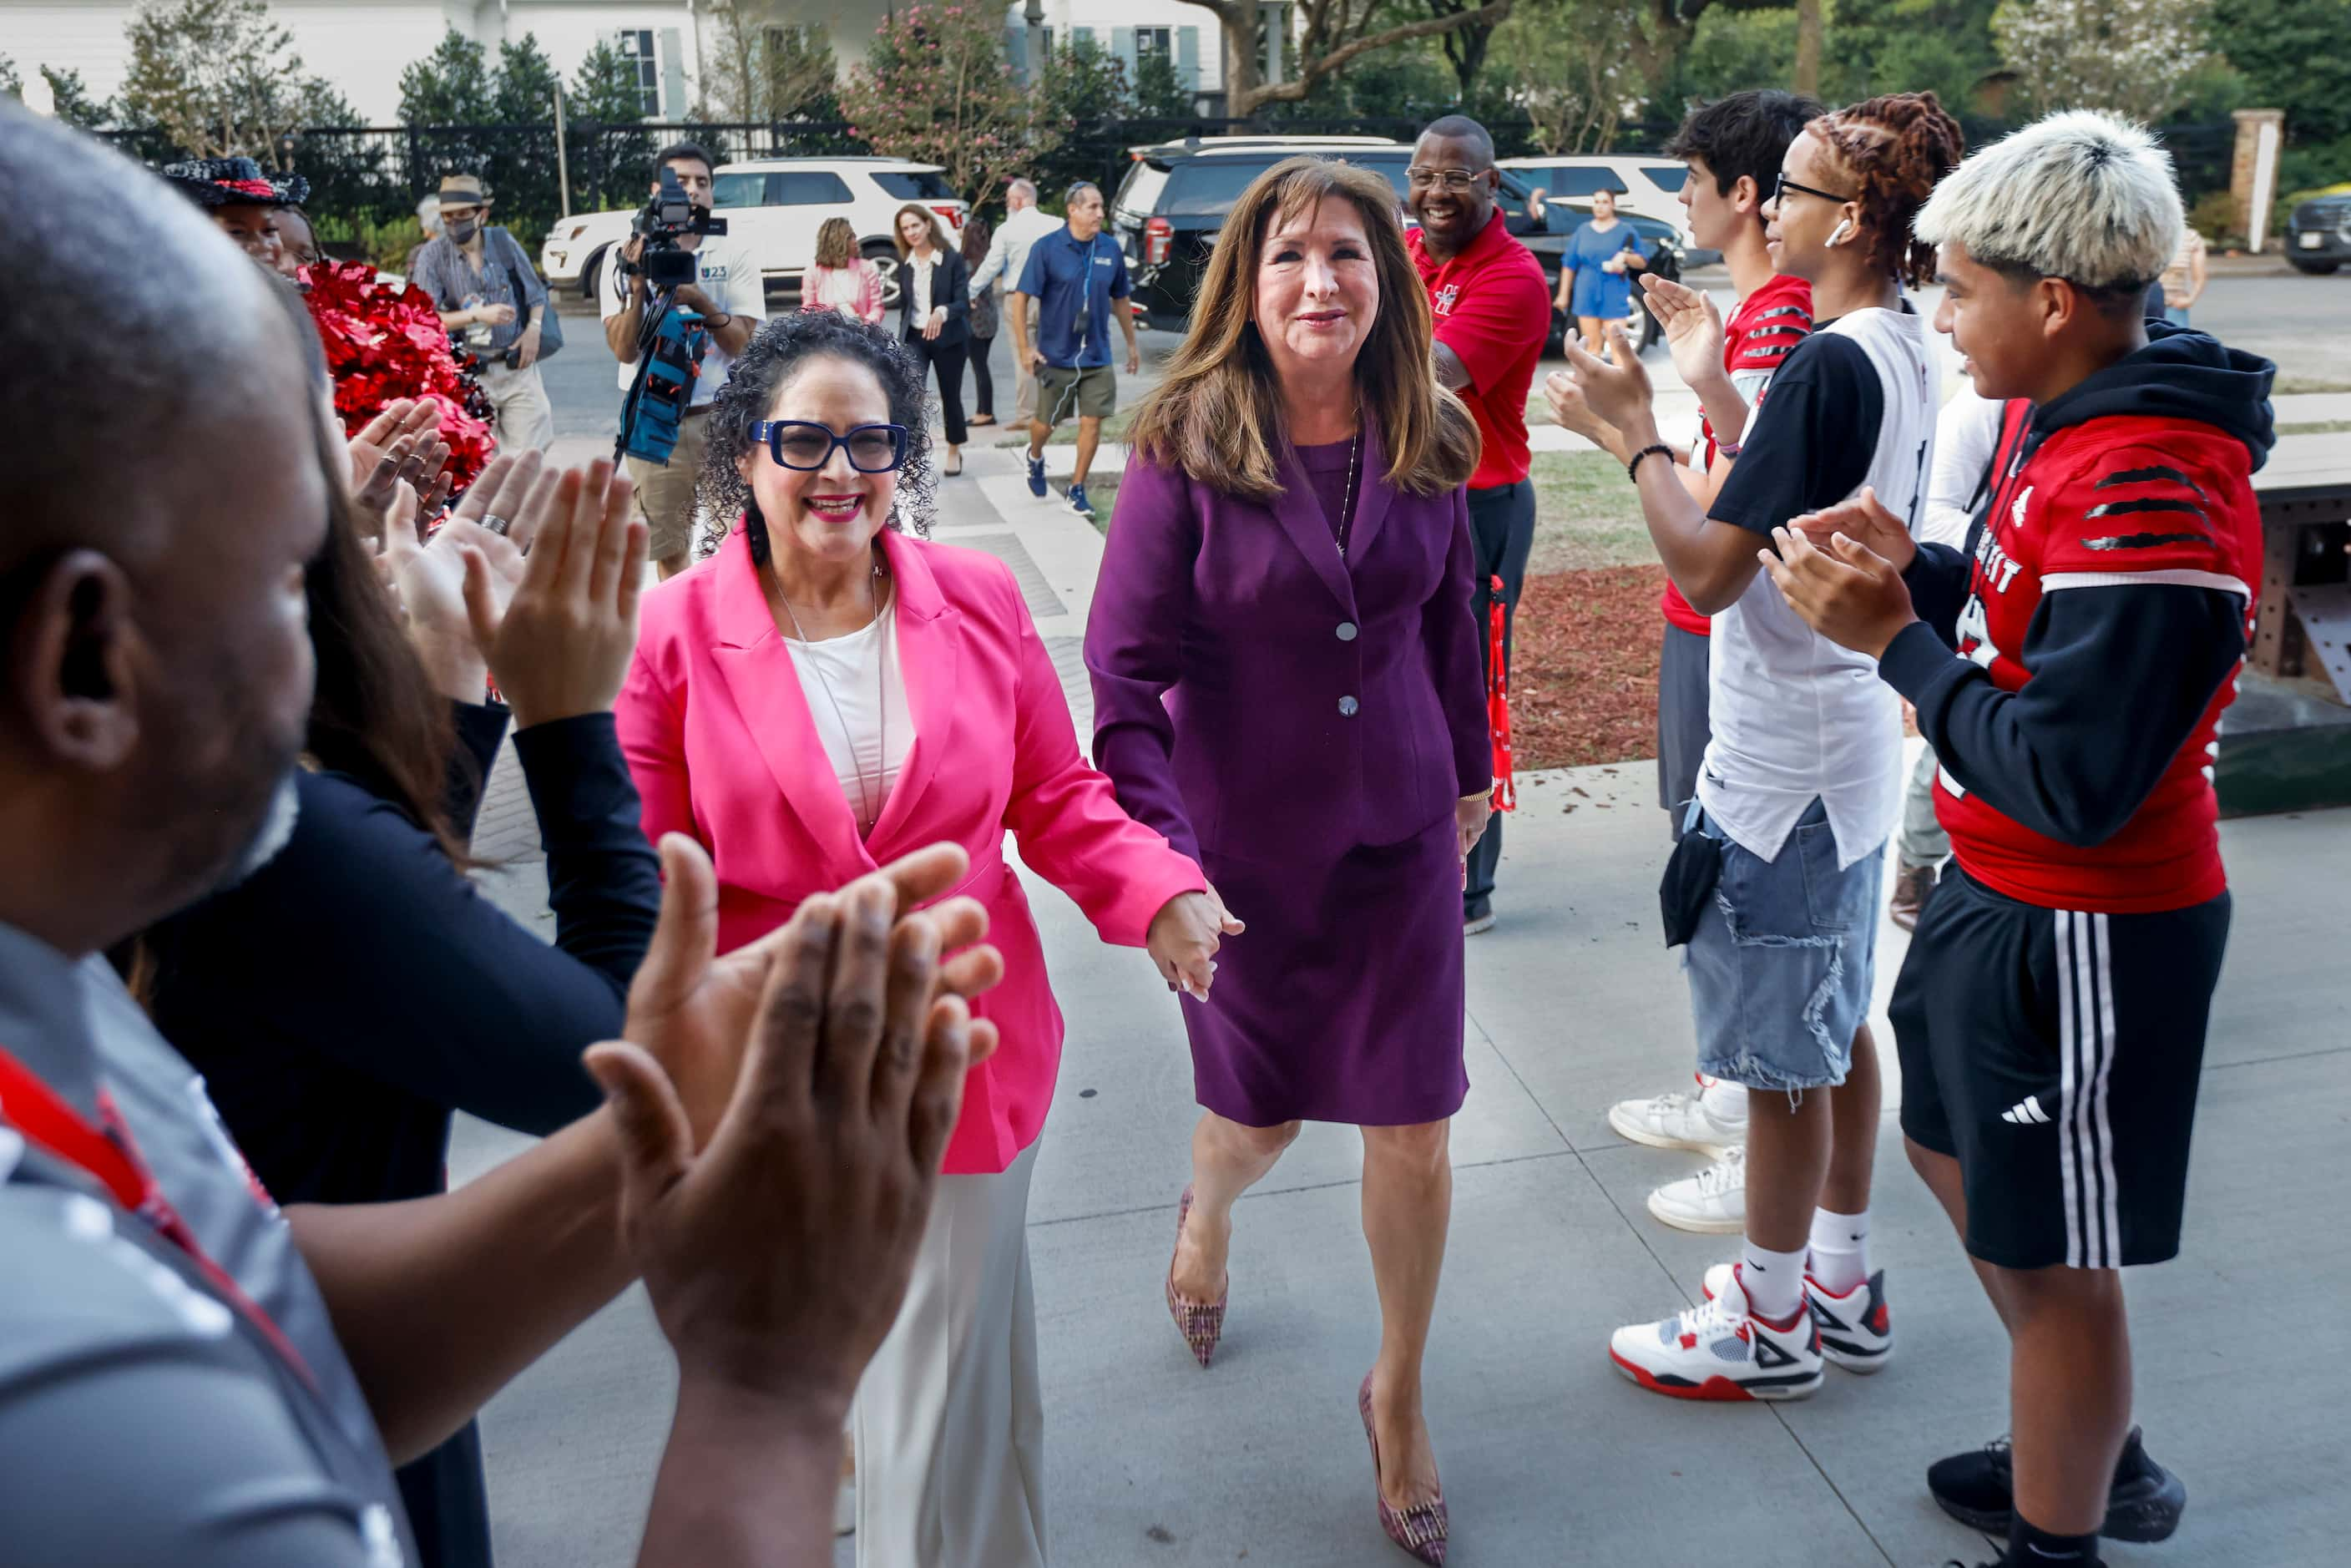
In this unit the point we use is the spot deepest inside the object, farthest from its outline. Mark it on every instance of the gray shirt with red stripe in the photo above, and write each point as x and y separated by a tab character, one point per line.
142	1419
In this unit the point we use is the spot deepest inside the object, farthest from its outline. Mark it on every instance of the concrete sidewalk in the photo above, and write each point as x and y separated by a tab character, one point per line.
1548	1454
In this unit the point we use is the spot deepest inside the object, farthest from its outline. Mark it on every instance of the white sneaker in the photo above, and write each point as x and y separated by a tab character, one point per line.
1856	1331
1711	1203
1721	1351
1681	1122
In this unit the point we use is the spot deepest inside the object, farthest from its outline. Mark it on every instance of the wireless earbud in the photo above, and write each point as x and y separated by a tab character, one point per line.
1845	228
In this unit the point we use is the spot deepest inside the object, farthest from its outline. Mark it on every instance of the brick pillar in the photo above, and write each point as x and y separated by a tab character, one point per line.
2244	165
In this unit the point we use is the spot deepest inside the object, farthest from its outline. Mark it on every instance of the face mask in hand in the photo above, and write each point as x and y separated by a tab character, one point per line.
460	232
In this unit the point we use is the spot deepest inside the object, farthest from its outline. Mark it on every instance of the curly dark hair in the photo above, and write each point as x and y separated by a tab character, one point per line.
782	348
1899	148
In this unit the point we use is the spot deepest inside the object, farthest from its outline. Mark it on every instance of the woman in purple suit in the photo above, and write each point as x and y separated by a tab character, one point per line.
1287	685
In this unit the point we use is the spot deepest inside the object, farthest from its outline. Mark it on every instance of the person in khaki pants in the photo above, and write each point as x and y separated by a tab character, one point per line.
727	293
1024	224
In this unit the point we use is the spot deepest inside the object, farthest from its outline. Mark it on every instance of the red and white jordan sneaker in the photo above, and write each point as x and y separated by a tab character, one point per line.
1721	1350
1856	1331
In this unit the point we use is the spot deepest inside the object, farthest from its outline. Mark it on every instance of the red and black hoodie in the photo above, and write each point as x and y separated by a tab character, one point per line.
2099	615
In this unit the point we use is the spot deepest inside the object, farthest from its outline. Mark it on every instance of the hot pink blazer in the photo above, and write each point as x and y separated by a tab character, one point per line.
718	737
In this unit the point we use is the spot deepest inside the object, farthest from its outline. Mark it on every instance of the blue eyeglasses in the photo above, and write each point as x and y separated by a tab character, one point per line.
806	446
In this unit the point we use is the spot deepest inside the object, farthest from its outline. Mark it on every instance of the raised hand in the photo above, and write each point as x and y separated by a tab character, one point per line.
428	577
1184	938
1848	594
401	416
1692	326
1571	411
693	1009
777	1256
1863	519
557	626
1617	388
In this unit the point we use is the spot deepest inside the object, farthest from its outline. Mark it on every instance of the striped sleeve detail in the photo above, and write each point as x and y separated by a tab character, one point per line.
2149	507
1767	339
2178	577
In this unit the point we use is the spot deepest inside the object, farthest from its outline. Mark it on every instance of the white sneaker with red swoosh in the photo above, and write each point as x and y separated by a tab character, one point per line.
1720	1350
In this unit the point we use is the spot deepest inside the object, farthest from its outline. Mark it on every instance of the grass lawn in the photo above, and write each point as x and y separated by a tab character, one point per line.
2291	386
1586	515
2320	427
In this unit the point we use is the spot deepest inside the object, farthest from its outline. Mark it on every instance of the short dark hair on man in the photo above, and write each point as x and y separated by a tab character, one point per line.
1461	128
1746	133
694	150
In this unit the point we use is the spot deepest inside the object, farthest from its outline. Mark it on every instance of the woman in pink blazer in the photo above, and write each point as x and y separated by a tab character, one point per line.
827	692
841	279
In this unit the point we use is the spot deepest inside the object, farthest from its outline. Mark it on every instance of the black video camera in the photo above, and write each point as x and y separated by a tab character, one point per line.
666	219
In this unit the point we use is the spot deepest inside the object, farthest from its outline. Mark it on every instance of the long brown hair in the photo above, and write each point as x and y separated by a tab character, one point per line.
1217	416
836	244
930	220
977	234
1899	148
374	713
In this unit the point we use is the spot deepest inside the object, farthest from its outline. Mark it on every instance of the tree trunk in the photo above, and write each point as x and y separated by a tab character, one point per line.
1808	48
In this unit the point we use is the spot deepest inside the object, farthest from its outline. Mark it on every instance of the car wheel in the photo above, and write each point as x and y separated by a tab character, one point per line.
2315	268
592	277
885	256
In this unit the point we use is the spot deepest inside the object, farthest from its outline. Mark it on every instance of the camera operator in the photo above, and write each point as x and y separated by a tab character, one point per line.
490	295
727	294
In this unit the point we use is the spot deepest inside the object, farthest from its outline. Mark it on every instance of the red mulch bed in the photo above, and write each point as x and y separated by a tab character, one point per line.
1584	667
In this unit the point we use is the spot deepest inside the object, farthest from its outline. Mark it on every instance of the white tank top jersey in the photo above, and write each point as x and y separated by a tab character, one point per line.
867	739
1796	717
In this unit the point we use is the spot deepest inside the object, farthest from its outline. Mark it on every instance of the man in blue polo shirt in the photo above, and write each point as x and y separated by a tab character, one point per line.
1078	279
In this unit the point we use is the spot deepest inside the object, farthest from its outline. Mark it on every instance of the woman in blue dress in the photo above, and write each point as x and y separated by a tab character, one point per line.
1595	282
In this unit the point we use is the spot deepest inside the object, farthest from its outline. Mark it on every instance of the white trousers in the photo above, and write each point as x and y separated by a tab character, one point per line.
521	417
949	1426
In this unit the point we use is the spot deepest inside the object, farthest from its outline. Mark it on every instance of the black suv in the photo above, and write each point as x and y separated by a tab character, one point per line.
2318	234
1174	199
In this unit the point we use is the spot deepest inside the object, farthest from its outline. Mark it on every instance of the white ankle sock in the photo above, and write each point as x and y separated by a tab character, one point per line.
1839	1249
1774	1281
1725	1103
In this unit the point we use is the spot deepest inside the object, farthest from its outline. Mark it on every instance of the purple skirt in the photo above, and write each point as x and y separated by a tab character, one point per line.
1342	1001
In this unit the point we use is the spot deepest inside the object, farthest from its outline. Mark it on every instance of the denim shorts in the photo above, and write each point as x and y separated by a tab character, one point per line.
1781	965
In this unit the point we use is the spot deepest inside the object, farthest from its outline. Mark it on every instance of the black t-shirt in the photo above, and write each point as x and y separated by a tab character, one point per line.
1813	436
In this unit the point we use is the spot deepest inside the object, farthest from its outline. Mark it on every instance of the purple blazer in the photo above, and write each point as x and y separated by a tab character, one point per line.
1256	695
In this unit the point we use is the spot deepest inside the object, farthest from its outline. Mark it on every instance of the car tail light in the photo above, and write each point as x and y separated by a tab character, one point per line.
953	216
1158	239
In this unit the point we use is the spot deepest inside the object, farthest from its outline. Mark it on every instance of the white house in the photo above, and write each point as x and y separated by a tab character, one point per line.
362	46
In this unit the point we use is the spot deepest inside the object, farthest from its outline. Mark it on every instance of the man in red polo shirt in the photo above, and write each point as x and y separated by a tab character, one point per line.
1493	313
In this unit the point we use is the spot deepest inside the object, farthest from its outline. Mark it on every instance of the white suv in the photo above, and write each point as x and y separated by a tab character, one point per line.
775	205
1645	184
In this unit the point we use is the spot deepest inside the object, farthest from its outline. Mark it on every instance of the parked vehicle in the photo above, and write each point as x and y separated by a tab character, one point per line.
1645	185
1173	201
2318	231
775	205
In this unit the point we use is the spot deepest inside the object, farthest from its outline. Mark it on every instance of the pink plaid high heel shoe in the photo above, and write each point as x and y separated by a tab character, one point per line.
1419	1530
1201	1325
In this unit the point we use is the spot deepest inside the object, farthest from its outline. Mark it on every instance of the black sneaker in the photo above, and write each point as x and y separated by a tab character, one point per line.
1978	1490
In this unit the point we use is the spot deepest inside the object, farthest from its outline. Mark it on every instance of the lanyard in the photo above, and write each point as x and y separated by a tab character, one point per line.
110	1155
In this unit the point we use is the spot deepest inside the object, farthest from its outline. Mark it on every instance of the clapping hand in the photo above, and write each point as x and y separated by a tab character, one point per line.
1849	593
1184	938
1570	411
428	577
1615	389
1692	325
402	445
692	1010
556	626
777	1256
1864	520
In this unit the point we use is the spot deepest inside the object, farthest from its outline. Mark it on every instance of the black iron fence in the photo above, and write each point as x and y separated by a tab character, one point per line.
365	182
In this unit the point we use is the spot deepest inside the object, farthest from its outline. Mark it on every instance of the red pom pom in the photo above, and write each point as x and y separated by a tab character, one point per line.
382	345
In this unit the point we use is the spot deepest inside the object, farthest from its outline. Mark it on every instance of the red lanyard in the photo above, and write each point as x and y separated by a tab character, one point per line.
110	1156
1497	703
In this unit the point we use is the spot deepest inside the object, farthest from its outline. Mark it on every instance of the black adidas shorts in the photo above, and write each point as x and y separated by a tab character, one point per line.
2056	1056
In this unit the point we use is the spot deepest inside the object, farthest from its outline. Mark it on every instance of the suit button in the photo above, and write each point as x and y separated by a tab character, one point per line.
1346	631
1347	707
